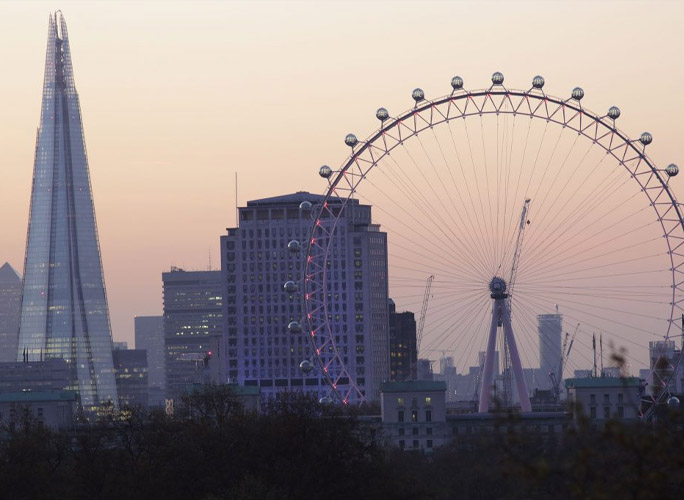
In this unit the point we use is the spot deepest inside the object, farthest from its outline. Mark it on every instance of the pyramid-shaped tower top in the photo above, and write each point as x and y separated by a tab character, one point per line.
8	275
64	311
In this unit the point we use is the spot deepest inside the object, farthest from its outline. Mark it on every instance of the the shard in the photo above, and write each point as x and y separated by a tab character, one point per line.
64	310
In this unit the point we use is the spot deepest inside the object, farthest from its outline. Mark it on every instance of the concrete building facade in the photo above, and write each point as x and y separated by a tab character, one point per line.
258	349
413	414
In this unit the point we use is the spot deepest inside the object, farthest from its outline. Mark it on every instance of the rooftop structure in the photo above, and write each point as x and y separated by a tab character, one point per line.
10	309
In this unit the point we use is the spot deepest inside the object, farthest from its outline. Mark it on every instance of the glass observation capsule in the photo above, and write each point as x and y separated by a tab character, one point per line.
290	287
614	112
497	78
325	400
418	95
673	402
351	140
672	170
294	246
457	83
646	138
538	82
306	366
294	327
325	171
306	206
382	114
577	93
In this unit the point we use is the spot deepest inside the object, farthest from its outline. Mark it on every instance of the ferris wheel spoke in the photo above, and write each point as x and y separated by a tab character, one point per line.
435	195
476	225
469	232
447	243
423	204
581	218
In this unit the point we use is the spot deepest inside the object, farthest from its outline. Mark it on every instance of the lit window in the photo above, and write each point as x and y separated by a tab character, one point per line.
400	401
428	401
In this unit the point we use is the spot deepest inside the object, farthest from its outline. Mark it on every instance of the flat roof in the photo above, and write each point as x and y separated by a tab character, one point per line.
413	386
37	396
603	382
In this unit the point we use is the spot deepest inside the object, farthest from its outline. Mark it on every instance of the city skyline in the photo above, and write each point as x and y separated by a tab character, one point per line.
148	176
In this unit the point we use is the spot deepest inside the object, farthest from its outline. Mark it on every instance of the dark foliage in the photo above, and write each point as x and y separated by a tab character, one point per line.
299	449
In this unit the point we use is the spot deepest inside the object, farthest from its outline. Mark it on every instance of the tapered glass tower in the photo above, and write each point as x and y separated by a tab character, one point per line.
64	310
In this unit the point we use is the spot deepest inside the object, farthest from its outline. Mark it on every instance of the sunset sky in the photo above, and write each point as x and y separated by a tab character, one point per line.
178	96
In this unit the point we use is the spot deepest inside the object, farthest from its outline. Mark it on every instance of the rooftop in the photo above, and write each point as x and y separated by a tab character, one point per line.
9	275
413	386
37	396
291	199
603	382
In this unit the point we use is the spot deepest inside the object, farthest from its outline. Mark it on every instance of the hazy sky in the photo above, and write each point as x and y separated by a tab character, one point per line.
178	96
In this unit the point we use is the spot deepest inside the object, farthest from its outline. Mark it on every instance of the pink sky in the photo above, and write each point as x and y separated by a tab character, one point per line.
178	96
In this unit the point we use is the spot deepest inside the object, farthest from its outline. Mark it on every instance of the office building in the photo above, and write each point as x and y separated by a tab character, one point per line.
149	336
52	374
10	309
192	316
403	354
259	350
64	310
550	328
130	367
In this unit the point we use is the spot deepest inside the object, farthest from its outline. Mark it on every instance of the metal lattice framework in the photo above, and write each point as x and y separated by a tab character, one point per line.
462	104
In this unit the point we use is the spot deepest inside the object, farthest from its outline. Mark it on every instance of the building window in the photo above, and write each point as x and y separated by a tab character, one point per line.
606	412
606	398
592	399
620	411
592	412
400	401
415	443
428	431
428	415
428	400
400	415
401	431
414	415
402	444
429	443
414	431
621	397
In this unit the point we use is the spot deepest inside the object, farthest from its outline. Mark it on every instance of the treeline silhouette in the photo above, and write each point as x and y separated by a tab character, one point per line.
299	449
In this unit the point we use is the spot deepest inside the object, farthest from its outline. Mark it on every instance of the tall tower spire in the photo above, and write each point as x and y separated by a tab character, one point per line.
64	311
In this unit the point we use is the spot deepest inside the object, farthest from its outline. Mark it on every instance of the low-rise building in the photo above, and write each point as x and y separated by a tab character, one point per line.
55	409
605	398
414	413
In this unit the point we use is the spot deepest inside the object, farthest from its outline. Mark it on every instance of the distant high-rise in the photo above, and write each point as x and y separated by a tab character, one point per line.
403	354
10	308
550	326
64	310
192	316
149	336
130	367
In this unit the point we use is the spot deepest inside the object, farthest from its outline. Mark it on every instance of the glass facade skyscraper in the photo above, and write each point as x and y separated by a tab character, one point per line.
64	310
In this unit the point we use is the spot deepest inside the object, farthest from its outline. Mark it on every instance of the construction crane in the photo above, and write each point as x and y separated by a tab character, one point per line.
423	311
507	388
565	354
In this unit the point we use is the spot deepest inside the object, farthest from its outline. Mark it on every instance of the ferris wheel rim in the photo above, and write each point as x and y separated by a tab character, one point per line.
570	110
